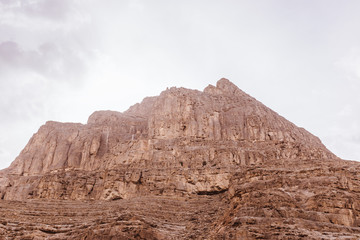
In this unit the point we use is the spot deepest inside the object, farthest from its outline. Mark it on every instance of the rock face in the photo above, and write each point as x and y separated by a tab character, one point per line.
265	177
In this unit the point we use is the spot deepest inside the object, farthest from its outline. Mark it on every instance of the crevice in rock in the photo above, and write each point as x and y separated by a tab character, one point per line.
213	192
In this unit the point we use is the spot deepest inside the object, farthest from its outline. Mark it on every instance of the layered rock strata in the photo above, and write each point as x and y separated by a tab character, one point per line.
250	173
181	142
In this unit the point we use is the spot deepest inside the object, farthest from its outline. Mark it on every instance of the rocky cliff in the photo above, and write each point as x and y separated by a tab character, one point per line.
258	173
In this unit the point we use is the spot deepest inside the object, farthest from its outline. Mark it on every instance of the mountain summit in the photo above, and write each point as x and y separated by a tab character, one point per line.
219	117
258	173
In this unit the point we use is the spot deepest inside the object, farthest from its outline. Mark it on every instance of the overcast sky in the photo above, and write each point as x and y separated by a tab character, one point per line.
64	59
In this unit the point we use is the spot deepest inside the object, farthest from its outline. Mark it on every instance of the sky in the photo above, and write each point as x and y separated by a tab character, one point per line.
61	60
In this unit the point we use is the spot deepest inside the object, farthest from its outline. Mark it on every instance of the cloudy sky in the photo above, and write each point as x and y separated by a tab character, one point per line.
63	59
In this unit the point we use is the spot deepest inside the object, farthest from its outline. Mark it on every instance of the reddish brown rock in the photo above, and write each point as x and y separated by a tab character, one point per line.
250	172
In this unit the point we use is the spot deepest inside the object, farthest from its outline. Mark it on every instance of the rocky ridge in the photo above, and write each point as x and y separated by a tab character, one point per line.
263	177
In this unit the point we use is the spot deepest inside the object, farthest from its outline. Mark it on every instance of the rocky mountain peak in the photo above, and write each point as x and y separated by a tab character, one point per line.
224	87
187	164
221	125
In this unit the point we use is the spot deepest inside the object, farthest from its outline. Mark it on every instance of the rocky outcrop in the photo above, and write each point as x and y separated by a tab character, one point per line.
181	142
150	218
293	200
267	177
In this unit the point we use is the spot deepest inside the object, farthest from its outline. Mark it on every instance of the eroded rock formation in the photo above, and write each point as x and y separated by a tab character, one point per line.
265	175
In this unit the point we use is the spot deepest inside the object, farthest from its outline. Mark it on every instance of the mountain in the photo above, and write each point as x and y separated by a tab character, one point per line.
187	164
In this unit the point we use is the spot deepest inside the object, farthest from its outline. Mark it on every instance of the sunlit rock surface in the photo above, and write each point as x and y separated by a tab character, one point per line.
216	164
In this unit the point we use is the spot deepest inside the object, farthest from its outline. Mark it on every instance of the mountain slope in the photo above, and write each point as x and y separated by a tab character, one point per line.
263	176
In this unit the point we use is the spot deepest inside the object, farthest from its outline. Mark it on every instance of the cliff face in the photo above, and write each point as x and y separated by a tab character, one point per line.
187	144
178	117
183	141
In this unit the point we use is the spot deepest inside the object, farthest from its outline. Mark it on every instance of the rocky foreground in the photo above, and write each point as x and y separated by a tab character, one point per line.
187	164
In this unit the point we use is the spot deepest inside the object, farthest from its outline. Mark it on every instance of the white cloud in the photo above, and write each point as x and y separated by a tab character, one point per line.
62	59
49	60
4	155
350	64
